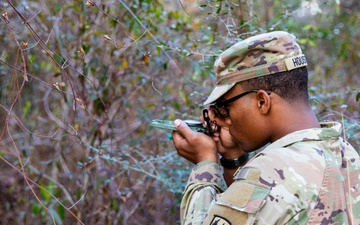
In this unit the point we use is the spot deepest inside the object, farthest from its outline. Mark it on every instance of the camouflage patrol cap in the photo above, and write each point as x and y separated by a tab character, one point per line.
257	56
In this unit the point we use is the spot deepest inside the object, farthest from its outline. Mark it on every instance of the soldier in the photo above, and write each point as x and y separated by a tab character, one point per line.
304	174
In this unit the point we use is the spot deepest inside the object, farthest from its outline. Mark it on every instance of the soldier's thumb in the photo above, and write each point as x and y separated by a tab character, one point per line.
182	127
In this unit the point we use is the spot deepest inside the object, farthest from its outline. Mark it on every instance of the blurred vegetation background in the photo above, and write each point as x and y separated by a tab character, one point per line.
80	81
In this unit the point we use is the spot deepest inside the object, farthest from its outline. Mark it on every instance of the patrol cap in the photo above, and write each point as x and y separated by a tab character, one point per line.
256	56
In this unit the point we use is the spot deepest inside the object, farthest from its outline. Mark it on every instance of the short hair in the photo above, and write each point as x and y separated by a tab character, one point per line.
290	85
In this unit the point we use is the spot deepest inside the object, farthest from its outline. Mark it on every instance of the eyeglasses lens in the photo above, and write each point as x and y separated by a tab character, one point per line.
221	110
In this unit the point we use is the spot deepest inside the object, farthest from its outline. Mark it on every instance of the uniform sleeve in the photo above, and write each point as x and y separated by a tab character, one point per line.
241	202
205	182
205	201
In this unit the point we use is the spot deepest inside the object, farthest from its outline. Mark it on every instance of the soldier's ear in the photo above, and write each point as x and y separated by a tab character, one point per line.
263	101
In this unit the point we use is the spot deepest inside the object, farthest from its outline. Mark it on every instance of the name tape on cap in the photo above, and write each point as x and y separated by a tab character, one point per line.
295	62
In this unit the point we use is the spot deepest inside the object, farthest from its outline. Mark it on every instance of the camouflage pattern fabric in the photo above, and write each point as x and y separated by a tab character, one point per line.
205	181
256	56
307	177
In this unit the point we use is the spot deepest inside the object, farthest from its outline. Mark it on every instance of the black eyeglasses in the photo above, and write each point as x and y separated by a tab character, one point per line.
221	107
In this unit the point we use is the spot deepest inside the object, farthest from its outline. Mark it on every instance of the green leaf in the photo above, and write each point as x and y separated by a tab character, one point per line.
56	8
46	192
218	9
26	108
61	212
36	208
202	7
358	96
46	195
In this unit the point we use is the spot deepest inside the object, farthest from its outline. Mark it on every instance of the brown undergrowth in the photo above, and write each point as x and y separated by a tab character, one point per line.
80	81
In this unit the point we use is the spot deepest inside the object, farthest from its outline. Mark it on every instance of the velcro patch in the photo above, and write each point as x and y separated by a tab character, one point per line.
246	173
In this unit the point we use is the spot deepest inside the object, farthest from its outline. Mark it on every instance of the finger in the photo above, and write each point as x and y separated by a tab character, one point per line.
183	128
181	145
177	138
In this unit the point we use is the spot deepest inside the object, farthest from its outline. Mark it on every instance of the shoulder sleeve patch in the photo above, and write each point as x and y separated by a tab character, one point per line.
219	220
239	204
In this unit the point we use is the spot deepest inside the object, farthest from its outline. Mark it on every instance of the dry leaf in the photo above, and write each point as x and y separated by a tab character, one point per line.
90	165
79	101
56	85
81	52
61	84
107	37
124	64
6	17
146	58
90	3
24	44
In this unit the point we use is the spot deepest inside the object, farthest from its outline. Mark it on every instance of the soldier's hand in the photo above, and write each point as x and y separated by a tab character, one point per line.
193	146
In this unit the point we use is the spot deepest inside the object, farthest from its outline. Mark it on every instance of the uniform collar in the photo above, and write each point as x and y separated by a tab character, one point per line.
328	130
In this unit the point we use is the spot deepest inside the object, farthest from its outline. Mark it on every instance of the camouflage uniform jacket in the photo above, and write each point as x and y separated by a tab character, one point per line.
307	177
